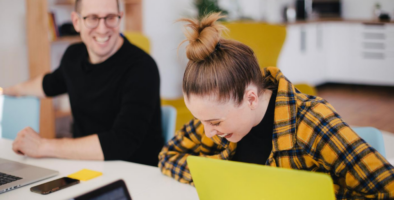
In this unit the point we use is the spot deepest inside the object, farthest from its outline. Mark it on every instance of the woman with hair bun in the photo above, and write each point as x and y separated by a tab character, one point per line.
248	115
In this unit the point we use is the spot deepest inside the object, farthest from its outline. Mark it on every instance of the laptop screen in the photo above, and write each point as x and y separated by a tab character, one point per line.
116	190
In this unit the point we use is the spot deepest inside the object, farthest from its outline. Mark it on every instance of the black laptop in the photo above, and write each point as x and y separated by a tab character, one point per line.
115	190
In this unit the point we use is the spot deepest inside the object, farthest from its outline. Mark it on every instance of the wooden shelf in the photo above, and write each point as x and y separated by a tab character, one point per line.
39	60
68	39
132	1
65	2
133	15
62	113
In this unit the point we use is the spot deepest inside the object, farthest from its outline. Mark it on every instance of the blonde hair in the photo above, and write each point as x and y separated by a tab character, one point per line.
217	65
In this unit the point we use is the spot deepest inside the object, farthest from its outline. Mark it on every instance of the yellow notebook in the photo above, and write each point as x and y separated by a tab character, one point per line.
85	174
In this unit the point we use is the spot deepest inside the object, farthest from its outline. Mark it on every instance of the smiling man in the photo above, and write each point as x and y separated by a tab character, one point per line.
114	94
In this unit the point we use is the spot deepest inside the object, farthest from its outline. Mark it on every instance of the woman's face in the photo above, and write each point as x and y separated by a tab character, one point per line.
227	119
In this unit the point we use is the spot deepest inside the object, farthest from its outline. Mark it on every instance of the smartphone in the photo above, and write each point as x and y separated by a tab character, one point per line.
54	185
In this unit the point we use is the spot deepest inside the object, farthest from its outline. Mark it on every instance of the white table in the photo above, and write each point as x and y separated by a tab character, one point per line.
144	182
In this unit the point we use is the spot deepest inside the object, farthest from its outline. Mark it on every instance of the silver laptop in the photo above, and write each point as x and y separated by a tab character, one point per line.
14	174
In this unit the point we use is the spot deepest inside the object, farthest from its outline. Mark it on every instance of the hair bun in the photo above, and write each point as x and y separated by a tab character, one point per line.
203	36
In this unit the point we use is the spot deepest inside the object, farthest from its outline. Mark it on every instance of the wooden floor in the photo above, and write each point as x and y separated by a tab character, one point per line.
362	105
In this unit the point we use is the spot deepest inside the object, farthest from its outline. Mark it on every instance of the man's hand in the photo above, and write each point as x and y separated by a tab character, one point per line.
32	87
28	143
10	91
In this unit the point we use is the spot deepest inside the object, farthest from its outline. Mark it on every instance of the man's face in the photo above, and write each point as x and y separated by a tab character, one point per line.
101	41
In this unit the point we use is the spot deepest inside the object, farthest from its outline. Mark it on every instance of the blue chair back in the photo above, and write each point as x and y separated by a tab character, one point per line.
17	113
168	120
373	137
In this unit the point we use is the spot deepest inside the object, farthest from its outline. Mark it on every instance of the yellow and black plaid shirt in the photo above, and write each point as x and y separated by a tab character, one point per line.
308	135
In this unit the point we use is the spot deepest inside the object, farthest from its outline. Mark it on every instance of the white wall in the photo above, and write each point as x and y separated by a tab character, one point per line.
267	10
13	50
362	9
246	8
165	35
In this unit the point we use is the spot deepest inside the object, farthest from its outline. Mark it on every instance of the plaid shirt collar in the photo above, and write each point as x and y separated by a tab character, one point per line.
283	137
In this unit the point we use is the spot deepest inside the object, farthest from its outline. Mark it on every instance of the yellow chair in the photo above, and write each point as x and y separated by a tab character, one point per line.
139	40
306	89
183	114
266	40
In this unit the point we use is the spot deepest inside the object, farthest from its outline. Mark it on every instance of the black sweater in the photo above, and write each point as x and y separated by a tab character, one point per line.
118	99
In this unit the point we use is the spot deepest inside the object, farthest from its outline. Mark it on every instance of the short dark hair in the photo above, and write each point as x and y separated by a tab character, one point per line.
79	2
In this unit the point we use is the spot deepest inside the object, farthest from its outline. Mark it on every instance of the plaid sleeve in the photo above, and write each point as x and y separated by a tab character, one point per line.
358	170
172	158
191	140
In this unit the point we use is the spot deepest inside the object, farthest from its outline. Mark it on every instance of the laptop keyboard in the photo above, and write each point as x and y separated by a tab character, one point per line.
6	178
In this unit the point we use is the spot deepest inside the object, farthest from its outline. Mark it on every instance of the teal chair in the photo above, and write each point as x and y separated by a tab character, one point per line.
168	120
373	137
17	113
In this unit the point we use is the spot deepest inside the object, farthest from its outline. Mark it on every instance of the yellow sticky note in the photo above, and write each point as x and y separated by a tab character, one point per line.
85	174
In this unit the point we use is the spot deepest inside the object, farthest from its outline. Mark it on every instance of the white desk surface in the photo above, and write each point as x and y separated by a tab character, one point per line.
144	182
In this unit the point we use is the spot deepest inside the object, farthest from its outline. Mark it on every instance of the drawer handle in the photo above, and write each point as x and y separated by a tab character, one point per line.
375	36
373	55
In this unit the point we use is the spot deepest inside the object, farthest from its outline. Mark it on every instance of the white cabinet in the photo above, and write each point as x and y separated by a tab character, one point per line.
302	58
372	55
343	52
338	49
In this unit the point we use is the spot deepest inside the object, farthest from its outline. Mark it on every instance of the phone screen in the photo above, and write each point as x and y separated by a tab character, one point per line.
54	185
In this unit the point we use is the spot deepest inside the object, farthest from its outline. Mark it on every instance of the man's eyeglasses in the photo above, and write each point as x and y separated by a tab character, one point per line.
92	21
